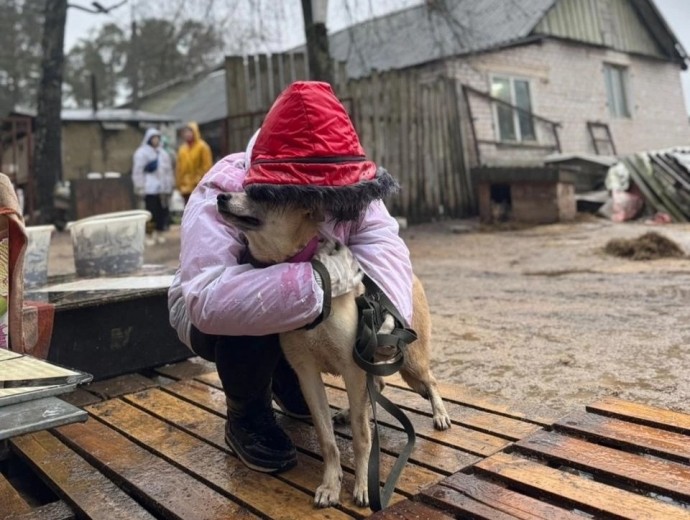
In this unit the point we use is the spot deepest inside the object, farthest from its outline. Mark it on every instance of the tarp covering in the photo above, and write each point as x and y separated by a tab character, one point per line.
662	177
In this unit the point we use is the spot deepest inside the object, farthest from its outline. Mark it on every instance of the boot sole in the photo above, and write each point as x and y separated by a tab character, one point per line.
258	464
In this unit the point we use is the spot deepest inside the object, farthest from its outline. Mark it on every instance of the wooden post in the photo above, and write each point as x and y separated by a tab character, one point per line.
265	96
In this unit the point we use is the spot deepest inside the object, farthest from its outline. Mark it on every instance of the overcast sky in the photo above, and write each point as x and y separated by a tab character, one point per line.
341	13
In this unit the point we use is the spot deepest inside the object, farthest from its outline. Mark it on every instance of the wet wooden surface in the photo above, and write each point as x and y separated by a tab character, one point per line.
154	447
616	460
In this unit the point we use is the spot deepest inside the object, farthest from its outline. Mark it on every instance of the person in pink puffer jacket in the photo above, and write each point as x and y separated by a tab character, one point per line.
230	312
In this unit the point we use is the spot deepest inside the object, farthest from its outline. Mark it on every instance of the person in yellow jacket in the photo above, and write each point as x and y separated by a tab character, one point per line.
194	159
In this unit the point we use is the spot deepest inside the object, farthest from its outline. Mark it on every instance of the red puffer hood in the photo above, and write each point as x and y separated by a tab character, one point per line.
308	153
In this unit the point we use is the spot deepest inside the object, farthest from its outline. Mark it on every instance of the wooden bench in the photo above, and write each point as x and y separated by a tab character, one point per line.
618	459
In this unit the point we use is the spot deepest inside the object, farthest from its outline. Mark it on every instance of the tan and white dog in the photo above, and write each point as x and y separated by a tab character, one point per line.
276	234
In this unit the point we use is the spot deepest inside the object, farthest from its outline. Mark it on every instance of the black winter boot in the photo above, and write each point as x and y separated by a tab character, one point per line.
253	434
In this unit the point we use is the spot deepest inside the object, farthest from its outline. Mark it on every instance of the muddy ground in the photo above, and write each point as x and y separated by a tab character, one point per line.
541	314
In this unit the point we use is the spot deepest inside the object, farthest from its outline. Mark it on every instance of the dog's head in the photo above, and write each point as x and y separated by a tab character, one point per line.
274	233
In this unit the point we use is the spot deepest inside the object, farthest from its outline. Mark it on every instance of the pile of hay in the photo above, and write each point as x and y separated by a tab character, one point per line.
649	246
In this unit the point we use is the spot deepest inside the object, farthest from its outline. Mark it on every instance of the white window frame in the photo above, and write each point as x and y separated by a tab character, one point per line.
516	121
613	95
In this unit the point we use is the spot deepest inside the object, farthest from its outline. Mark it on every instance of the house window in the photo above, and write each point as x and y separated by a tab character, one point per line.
513	125
616	79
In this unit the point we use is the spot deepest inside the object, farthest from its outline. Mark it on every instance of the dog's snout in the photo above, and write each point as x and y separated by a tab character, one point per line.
224	197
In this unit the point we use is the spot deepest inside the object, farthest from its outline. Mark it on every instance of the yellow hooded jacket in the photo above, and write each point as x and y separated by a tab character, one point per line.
193	161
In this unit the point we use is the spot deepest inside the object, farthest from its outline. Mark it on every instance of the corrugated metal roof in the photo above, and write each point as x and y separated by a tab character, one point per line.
422	34
114	115
106	114
205	102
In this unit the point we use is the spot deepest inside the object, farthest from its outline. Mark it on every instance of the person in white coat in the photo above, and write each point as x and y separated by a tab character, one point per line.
153	179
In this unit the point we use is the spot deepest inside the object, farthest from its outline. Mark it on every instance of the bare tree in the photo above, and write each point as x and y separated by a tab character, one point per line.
48	151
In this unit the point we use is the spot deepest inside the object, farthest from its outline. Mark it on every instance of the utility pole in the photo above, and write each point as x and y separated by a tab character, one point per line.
320	64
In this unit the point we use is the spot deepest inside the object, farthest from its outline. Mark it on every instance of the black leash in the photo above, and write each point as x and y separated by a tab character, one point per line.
373	306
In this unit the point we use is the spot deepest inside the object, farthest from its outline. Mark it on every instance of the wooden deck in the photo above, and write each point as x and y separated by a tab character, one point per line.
153	447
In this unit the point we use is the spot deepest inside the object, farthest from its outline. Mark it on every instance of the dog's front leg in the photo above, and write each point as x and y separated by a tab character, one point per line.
328	493
356	385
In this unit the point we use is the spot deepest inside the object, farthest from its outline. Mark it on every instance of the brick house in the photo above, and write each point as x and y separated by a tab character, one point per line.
575	76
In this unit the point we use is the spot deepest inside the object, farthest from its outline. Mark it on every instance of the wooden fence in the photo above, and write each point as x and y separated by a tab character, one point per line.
408	123
411	126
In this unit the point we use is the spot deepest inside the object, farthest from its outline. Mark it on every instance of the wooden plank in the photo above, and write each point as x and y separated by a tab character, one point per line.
461	505
150	479
301	66
302	434
210	428
188	369
40	414
462	395
120	385
642	413
80	398
664	477
212	467
83	487
629	435
53	511
264	92
429	454
465	439
583	493
11	500
236	95
506	500
409	510
511	429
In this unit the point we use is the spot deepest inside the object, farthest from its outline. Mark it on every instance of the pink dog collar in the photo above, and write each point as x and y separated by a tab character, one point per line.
306	254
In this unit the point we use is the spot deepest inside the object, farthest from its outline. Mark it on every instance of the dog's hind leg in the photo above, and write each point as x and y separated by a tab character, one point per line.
328	493
356	386
422	381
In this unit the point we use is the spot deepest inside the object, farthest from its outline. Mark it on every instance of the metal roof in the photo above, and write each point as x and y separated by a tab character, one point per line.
205	102
105	115
114	115
433	31
443	28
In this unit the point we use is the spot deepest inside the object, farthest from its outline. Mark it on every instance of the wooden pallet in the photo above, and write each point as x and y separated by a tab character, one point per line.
616	460
154	447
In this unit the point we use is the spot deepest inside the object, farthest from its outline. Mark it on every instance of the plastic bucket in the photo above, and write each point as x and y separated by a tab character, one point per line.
109	244
36	256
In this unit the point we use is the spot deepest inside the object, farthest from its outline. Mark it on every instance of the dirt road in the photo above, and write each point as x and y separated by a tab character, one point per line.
541	314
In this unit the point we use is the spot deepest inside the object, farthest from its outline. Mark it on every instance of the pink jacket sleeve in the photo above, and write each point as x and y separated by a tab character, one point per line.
384	257
224	297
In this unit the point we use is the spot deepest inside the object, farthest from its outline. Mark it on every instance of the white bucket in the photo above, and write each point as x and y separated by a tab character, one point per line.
109	244
36	256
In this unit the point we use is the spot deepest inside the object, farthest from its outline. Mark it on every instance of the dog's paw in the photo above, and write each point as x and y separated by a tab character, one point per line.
442	421
342	416
361	496
327	496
